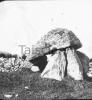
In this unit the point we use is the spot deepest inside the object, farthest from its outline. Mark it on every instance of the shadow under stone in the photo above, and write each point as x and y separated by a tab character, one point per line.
40	61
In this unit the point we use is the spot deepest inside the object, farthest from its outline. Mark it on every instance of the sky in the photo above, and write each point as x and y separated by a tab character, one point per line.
25	22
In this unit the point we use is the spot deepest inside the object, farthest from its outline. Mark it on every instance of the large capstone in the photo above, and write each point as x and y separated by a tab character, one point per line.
74	67
55	67
55	39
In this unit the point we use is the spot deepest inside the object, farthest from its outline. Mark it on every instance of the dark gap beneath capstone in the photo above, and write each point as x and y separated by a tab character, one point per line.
52	51
40	61
55	49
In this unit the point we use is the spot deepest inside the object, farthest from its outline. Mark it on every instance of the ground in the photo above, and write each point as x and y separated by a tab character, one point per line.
26	85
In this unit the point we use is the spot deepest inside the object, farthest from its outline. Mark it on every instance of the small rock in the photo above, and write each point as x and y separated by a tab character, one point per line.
35	68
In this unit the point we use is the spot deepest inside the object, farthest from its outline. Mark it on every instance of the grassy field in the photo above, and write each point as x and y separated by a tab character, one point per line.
26	85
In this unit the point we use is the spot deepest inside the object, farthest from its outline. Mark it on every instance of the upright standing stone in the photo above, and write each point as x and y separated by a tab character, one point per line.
74	67
55	68
84	61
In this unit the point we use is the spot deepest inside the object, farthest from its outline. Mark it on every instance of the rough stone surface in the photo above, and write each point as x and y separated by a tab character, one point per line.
9	64
74	67
55	39
84	61
55	68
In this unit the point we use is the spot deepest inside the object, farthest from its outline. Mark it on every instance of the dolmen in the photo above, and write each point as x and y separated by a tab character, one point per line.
60	47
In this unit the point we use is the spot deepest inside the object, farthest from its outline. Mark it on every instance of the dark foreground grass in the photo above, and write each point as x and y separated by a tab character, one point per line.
41	89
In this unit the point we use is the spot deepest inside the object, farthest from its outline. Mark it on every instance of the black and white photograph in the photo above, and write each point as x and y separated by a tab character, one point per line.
45	49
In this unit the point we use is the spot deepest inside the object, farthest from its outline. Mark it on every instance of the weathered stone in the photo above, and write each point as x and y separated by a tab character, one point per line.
10	64
74	66
55	68
55	39
84	61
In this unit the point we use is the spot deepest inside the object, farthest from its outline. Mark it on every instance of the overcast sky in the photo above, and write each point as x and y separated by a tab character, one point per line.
24	22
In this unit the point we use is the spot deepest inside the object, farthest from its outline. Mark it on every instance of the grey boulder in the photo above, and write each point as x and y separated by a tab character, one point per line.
84	59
